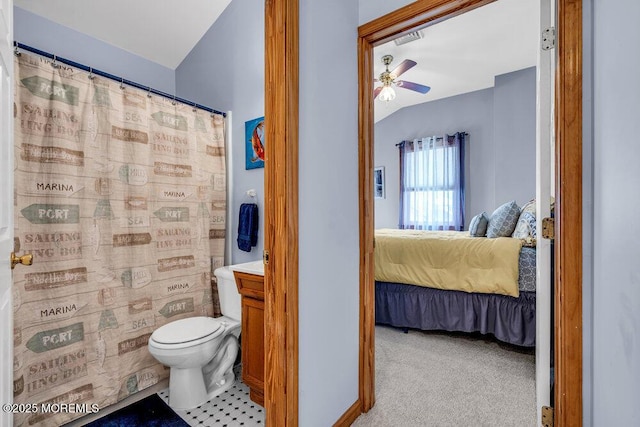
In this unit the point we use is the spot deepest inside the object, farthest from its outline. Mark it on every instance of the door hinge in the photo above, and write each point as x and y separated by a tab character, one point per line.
548	228
265	257
548	38
547	416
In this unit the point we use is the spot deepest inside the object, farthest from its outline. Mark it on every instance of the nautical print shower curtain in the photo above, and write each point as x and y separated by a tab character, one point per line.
121	199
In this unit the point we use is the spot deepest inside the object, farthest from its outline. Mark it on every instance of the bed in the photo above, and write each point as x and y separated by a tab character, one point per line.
454	282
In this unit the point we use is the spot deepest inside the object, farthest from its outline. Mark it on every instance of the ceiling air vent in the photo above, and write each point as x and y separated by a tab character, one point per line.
407	38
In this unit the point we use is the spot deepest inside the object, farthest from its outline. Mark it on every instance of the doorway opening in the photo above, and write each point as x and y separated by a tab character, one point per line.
458	139
567	296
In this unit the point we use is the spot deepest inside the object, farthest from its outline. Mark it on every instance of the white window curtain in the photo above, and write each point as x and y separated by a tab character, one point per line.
432	183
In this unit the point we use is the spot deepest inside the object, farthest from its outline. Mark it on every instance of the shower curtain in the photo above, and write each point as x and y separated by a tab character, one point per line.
121	199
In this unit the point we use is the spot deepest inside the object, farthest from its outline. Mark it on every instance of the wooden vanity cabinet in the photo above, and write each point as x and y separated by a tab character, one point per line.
251	288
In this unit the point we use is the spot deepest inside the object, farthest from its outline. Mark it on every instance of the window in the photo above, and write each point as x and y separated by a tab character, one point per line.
431	183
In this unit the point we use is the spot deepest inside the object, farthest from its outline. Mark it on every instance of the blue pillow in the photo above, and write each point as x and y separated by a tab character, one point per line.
503	220
478	225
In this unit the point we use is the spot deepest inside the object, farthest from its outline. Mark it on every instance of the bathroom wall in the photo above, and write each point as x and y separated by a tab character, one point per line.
500	151
616	278
38	32
373	9
226	69
587	212
228	66
328	211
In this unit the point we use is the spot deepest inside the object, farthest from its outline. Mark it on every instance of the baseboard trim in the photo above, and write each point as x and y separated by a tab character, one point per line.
350	415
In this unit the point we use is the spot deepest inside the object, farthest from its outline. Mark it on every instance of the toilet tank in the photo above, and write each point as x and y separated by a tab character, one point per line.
228	291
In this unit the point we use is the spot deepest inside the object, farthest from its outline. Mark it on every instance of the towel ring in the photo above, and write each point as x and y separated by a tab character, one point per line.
251	195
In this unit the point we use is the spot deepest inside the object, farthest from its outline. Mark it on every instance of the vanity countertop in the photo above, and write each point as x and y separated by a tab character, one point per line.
253	267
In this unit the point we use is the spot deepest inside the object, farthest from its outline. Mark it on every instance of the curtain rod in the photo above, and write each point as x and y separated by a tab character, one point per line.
437	138
122	80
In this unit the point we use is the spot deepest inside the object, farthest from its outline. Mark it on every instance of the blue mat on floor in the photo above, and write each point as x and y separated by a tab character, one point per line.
148	412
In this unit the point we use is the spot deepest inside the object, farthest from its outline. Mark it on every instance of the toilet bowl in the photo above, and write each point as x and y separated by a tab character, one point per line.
201	351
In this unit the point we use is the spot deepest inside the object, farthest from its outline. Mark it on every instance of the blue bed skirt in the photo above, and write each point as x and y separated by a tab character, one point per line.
509	319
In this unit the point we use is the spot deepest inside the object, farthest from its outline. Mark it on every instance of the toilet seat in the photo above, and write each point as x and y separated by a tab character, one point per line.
187	332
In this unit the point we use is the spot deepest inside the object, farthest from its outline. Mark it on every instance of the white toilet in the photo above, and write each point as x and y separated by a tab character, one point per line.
201	351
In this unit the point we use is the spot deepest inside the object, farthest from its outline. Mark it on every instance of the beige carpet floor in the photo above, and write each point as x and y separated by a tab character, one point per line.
439	379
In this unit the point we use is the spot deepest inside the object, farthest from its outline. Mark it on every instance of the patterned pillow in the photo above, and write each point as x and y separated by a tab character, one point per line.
526	226
527	270
478	225
530	207
503	220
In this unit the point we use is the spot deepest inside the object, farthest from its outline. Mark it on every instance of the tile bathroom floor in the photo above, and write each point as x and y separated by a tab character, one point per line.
232	408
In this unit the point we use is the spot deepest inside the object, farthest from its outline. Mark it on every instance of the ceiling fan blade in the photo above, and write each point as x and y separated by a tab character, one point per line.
413	86
404	66
376	92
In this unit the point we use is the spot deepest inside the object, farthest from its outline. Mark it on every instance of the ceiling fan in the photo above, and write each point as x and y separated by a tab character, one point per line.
388	79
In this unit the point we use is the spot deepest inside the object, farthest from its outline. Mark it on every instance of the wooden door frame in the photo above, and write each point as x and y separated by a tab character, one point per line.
568	208
281	213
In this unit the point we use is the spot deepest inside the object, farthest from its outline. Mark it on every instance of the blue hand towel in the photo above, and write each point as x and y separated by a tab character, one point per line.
248	226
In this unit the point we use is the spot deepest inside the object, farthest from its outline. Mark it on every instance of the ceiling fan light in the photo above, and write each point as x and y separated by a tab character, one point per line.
387	94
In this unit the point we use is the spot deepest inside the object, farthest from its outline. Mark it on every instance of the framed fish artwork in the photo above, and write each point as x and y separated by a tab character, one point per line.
254	140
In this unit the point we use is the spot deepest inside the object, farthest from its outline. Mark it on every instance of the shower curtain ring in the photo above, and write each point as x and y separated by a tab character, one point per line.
122	83
195	109
149	92
16	52
174	100
54	64
91	76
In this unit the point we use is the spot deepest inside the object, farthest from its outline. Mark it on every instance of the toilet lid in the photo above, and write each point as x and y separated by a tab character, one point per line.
185	330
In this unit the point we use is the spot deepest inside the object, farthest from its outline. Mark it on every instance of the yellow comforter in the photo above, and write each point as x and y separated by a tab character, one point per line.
450	260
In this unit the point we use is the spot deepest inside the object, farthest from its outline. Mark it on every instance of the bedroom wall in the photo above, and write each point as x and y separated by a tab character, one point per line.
470	112
226	69
616	278
500	149
514	132
38	32
328	212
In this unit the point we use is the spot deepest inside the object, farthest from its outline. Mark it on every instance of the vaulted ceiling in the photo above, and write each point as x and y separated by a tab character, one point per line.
460	55
465	53
162	31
